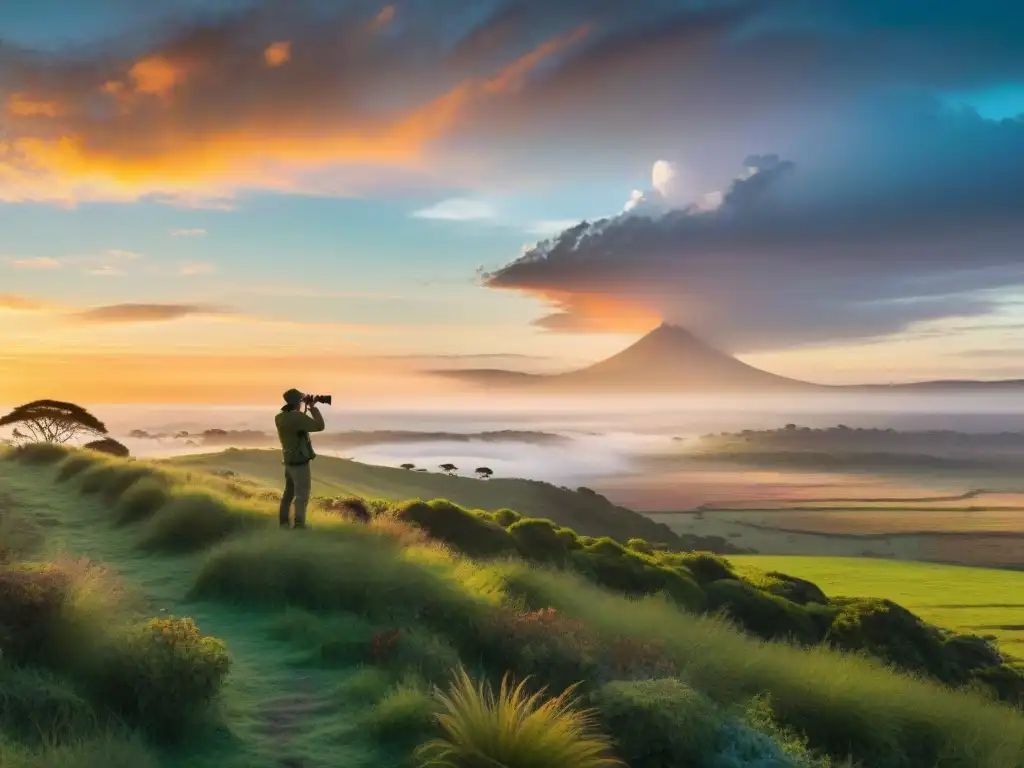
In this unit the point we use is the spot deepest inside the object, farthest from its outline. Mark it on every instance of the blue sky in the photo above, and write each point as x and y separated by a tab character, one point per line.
330	178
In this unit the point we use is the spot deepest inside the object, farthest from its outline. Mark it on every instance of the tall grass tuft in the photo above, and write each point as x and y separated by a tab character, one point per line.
192	521
39	454
514	729
74	465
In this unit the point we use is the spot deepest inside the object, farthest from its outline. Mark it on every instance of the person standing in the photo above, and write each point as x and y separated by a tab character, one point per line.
293	428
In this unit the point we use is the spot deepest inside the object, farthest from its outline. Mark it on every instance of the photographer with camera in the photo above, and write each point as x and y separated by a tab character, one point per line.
298	417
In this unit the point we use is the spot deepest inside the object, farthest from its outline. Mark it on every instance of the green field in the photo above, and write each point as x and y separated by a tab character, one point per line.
979	600
337	637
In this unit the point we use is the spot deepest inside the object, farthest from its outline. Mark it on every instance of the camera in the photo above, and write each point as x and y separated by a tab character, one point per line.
314	399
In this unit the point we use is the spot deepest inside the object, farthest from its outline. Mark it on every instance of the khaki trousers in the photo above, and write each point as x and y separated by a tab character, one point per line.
297	483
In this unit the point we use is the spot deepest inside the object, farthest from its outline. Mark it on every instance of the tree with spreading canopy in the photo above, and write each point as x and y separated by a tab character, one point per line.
408	466
484	472
448	468
52	421
108	445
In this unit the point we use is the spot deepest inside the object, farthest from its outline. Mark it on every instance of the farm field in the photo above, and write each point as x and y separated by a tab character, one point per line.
977	600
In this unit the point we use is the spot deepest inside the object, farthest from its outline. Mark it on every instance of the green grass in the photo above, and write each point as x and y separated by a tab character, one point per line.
977	600
296	608
264	702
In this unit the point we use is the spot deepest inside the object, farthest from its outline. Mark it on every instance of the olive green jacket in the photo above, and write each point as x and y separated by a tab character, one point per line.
293	428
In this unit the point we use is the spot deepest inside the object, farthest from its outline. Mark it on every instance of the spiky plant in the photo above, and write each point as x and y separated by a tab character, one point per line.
514	729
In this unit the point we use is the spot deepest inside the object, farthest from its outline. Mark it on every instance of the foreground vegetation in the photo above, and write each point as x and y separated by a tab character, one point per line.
627	674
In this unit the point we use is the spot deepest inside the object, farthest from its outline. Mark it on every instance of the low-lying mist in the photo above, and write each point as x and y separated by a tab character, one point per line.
610	435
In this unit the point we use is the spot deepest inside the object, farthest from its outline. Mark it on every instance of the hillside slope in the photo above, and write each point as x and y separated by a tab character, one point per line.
585	512
394	614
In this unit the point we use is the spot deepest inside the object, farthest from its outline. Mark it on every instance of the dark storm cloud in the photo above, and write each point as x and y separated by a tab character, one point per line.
403	93
907	212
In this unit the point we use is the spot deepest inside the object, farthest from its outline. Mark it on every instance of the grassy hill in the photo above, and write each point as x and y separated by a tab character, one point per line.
584	511
337	636
980	600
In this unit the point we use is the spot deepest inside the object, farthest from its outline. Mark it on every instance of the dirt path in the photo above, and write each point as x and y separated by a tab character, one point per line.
276	714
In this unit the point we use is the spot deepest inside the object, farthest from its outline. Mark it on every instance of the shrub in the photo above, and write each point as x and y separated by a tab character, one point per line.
96	478
542	642
354	568
40	454
776	741
763	614
610	565
475	534
424	653
35	705
640	545
705	566
192	521
124	477
658	723
349	506
141	501
402	717
799	591
506	517
32	602
367	685
543	540
162	675
887	631
75	464
513	729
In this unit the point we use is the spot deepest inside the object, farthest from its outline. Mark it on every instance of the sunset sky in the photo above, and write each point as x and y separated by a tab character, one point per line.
254	195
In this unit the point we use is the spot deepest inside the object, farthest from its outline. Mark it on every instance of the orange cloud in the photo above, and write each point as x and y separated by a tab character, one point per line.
594	313
277	54
156	76
14	303
22	105
234	127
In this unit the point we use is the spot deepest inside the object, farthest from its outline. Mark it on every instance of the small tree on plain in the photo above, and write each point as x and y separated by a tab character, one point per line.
108	445
449	469
408	466
52	421
484	473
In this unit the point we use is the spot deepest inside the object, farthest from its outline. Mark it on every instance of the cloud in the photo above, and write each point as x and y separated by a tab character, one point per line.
143	313
552	227
194	232
14	303
907	212
193	268
278	54
125	255
458	209
105	270
287	97
507	93
35	262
